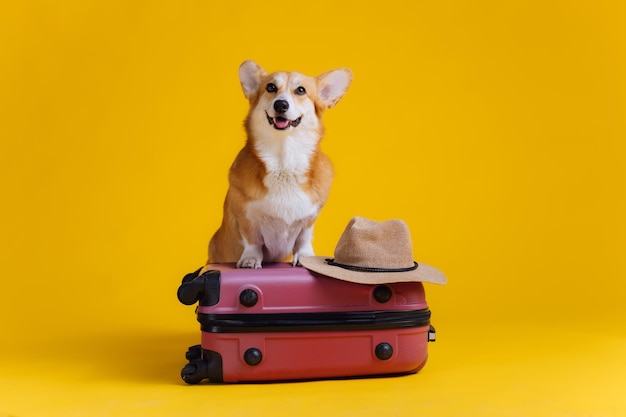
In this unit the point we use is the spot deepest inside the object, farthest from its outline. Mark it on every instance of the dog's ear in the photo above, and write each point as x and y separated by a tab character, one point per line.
332	85
250	74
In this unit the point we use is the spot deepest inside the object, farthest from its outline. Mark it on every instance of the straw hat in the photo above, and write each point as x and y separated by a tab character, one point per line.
370	252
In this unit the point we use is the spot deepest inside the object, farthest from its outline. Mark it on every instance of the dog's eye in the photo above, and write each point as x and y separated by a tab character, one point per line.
300	91
271	88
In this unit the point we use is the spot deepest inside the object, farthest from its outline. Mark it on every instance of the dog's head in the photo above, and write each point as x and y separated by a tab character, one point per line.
285	101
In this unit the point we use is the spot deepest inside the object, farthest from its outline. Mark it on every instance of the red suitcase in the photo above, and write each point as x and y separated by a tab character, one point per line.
288	323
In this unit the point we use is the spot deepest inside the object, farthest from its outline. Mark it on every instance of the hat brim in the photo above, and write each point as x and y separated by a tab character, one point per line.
423	273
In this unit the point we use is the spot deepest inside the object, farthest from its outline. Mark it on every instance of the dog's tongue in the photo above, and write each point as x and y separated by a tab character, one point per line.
281	122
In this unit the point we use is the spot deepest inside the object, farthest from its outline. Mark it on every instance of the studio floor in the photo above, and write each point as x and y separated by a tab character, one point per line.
495	369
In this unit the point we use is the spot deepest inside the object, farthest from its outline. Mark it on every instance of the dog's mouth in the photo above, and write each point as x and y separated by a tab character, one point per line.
281	123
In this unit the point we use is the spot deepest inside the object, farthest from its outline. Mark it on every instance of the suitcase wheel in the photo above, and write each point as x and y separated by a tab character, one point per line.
194	352
194	372
204	288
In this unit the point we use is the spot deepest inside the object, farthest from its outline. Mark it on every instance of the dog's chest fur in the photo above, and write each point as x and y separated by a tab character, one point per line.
285	209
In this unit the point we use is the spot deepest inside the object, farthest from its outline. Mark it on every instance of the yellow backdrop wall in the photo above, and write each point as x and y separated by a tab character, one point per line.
496	130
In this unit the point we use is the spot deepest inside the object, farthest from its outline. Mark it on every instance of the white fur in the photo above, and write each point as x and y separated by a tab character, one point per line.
282	212
289	157
251	257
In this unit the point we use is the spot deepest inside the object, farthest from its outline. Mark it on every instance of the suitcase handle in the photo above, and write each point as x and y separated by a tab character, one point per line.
203	288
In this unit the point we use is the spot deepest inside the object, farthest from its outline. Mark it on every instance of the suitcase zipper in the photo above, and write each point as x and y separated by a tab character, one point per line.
305	322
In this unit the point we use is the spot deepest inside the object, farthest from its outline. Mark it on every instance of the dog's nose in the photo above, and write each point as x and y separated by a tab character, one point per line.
281	106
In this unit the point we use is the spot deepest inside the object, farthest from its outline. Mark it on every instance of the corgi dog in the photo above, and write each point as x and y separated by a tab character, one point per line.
280	179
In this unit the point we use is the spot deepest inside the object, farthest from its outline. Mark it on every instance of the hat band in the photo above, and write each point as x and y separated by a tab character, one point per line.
370	269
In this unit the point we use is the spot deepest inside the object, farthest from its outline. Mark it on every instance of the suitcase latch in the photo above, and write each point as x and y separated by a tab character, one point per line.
432	336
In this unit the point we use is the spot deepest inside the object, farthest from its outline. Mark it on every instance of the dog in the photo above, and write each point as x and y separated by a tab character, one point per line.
280	179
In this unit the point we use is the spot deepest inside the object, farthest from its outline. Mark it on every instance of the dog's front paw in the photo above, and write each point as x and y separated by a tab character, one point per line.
298	255
251	263
296	260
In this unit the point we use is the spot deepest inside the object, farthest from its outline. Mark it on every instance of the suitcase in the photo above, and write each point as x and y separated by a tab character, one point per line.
288	323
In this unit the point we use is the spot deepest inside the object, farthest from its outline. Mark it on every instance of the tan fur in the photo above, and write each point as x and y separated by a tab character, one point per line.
280	179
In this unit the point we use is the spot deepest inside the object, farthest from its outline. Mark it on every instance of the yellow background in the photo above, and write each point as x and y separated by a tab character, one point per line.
495	129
